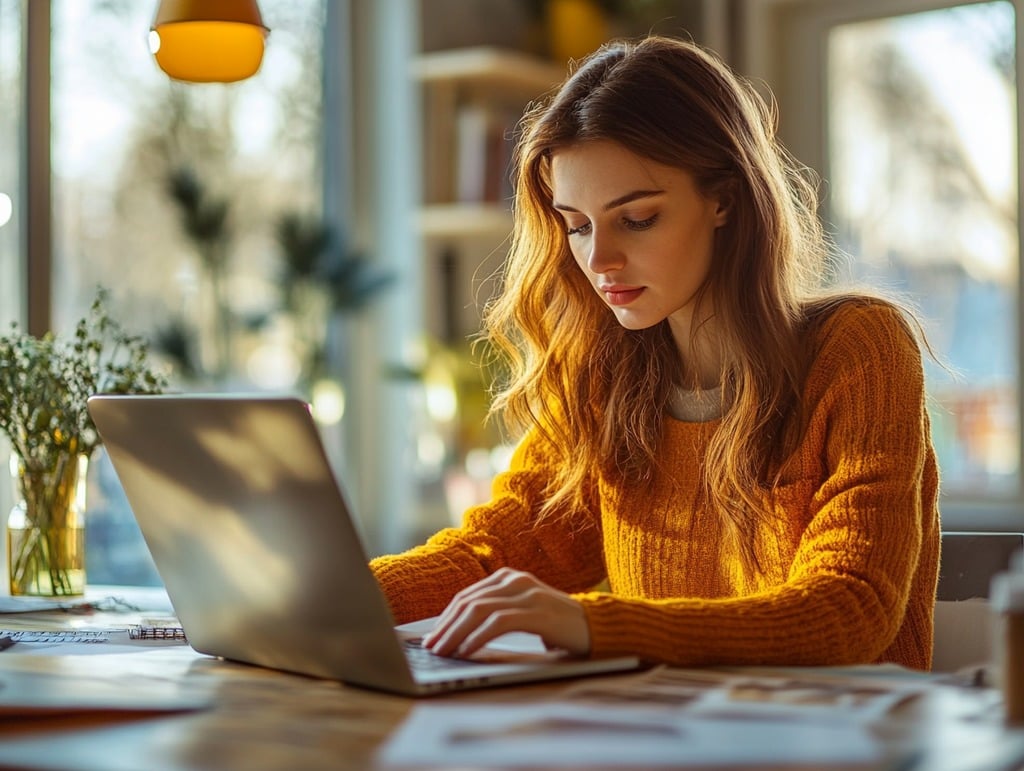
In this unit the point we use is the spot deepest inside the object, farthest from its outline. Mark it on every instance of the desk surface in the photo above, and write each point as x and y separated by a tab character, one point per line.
262	719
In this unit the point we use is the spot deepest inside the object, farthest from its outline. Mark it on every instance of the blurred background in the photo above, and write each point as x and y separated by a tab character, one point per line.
331	226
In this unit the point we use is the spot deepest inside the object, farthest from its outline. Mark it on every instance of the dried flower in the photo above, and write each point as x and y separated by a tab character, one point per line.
45	383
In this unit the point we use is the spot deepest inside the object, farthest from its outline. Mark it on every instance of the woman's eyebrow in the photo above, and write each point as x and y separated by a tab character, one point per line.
622	199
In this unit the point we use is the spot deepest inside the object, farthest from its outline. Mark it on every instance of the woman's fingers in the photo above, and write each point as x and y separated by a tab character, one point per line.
498	583
509	601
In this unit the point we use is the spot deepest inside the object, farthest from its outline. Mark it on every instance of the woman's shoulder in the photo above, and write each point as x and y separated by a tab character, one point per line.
863	342
868	323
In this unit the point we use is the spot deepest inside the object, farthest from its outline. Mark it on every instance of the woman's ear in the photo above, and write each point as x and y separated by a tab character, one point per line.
723	195
722	211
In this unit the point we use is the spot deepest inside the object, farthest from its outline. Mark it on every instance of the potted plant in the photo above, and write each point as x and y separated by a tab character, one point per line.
45	383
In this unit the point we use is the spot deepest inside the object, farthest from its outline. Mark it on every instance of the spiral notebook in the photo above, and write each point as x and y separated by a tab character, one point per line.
252	536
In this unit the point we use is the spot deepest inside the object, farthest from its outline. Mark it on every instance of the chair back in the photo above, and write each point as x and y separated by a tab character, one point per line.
963	622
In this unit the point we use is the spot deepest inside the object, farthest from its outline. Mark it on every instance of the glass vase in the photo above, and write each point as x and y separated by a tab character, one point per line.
46	527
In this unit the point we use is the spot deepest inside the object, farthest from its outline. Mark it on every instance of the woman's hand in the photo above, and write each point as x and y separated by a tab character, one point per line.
509	601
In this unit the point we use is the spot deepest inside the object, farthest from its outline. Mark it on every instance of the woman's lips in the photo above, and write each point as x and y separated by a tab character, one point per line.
621	295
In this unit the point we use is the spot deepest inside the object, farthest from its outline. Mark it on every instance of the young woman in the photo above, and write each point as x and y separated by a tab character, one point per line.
740	459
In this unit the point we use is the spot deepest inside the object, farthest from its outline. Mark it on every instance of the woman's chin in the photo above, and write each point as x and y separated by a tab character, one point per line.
634	321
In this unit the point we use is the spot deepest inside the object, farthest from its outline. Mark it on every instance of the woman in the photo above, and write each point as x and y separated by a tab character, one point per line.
741	459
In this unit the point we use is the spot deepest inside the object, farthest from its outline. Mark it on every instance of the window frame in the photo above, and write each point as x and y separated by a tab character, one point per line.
783	43
35	185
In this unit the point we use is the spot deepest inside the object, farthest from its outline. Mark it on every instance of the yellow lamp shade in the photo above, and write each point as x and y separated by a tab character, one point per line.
208	41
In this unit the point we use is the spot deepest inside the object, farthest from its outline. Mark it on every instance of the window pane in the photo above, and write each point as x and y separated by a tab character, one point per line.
11	131
11	125
209	297
923	195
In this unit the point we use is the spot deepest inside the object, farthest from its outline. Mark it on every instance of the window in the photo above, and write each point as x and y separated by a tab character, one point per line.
908	108
923	192
124	137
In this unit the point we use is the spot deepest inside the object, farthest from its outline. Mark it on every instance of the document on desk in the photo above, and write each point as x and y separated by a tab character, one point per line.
553	734
666	716
807	694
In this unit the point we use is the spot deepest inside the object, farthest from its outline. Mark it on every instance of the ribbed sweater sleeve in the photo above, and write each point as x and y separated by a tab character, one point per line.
501	533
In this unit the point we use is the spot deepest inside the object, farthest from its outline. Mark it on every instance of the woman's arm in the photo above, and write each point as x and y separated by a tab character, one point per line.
565	553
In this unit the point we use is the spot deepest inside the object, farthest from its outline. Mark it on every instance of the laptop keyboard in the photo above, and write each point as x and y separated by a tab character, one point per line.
422	659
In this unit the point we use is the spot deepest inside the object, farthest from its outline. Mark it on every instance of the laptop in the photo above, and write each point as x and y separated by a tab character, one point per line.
261	559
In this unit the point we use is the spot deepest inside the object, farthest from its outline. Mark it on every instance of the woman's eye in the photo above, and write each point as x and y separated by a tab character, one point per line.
580	230
641	224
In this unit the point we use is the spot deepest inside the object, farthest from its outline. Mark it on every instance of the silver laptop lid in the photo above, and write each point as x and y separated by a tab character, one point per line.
250	533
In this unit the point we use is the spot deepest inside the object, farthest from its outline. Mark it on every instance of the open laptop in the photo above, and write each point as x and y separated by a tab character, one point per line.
251	534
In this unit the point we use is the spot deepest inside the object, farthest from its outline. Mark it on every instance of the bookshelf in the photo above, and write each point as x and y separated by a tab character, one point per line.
471	101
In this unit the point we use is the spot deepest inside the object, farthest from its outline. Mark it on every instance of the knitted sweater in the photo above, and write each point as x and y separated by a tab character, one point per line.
849	564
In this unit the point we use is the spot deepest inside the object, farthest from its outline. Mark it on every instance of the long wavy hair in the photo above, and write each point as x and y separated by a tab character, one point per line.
599	391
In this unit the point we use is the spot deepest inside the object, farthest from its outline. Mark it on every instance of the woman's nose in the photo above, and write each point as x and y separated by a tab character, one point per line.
605	254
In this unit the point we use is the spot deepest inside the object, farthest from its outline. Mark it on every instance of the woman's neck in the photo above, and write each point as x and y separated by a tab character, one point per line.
702	357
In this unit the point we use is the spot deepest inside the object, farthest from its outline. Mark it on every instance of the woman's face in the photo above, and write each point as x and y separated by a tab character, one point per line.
640	231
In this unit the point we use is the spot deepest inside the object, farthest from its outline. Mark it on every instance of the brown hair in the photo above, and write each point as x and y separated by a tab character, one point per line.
599	391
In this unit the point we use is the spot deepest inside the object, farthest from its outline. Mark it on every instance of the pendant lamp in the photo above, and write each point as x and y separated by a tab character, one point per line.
208	41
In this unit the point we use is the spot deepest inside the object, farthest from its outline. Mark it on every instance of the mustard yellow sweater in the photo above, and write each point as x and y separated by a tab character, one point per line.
850	565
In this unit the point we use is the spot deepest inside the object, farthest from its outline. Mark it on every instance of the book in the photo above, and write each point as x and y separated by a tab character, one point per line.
483	153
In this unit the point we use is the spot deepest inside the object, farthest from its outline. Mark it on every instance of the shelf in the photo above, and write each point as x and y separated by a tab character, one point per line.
487	66
468	220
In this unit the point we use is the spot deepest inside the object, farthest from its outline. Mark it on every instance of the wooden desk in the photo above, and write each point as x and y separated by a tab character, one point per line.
261	719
